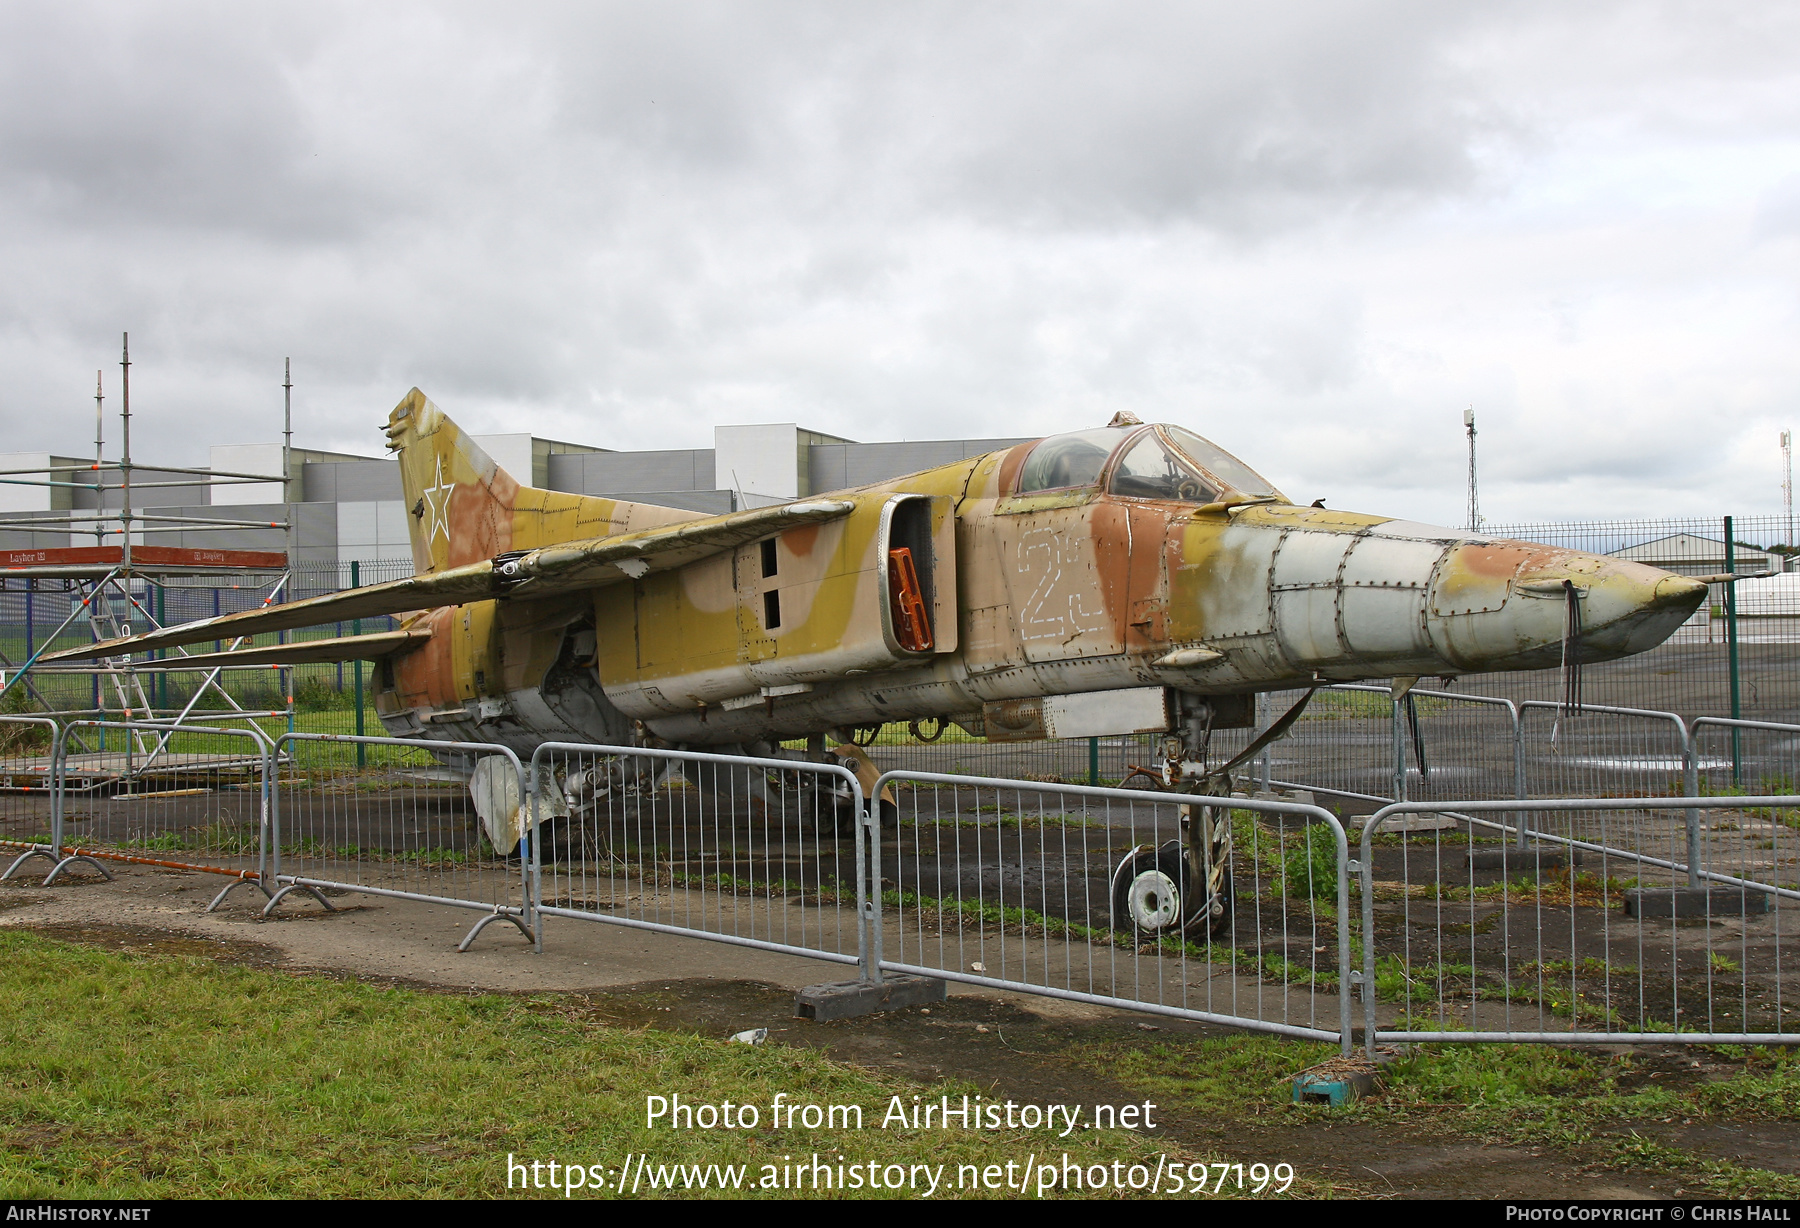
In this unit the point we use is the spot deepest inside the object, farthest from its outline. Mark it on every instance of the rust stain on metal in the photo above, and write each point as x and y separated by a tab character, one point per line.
1131	573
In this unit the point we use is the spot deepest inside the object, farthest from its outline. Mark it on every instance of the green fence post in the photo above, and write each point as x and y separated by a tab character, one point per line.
1093	761
356	629
1731	641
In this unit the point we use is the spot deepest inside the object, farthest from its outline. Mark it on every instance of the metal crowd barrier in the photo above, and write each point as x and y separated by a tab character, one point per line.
1230	912
1590	749
186	797
1759	844
27	789
765	853
1637	919
1604	936
405	825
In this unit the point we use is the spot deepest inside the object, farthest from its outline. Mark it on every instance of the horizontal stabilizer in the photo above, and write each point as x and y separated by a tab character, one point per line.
455	587
304	652
546	572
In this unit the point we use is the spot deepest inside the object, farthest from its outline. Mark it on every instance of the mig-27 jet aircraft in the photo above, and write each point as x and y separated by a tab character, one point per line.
1127	579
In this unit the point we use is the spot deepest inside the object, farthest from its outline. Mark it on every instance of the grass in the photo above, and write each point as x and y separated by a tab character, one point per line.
1345	705
1420	981
949	913
1767	786
18	738
1601	1108
131	1076
135	1076
314	755
428	859
1309	863
1554	889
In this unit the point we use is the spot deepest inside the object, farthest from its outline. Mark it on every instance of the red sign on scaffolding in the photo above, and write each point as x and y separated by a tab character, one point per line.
148	556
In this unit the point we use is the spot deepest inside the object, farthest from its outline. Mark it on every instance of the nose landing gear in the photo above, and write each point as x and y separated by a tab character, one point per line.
1183	887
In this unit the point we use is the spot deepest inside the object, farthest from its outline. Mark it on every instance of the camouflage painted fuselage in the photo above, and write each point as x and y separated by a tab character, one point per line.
1056	593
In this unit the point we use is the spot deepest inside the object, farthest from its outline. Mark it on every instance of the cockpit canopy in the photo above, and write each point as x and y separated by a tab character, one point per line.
1141	462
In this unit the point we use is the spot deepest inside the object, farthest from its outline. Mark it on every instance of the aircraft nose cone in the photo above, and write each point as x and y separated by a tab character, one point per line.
1503	605
1625	611
1683	591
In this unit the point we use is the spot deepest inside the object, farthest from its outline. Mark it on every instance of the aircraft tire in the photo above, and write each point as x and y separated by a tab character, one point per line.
1153	896
1149	890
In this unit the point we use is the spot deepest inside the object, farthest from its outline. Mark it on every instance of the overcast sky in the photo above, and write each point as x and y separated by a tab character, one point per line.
1313	232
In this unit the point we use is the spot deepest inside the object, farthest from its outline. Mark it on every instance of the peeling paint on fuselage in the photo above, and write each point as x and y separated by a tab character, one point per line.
1040	594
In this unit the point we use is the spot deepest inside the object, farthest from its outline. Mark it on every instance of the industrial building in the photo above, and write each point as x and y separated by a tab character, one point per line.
338	508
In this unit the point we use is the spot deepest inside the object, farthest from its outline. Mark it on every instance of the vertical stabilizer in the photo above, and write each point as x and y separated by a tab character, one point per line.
459	503
462	507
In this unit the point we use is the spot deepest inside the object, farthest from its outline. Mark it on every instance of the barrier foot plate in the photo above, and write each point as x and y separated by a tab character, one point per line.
66	862
314	892
848	999
24	857
233	886
1336	1090
469	938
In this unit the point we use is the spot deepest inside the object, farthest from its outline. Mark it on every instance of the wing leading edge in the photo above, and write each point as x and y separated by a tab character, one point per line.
545	572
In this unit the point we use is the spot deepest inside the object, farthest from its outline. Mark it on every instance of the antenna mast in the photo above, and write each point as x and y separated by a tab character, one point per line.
1474	502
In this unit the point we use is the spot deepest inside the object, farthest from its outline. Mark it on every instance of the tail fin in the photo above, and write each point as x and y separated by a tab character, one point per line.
463	508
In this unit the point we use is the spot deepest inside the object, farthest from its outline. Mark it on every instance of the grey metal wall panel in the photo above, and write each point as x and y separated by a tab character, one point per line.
392	523
227	539
165	497
860	464
980	447
712	502
827	465
168	496
562	471
315	524
23	539
255	533
364	481
627	473
318	482
356	523
877	462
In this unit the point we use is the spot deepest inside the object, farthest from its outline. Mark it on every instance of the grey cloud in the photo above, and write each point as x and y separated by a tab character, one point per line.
622	223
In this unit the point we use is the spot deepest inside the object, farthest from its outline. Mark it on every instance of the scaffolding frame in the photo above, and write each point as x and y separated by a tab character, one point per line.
107	588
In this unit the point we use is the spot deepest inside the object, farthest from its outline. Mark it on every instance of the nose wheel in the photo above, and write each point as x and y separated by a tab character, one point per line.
1183	887
1148	890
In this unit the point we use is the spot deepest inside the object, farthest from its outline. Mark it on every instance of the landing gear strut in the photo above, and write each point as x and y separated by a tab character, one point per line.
1183	886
